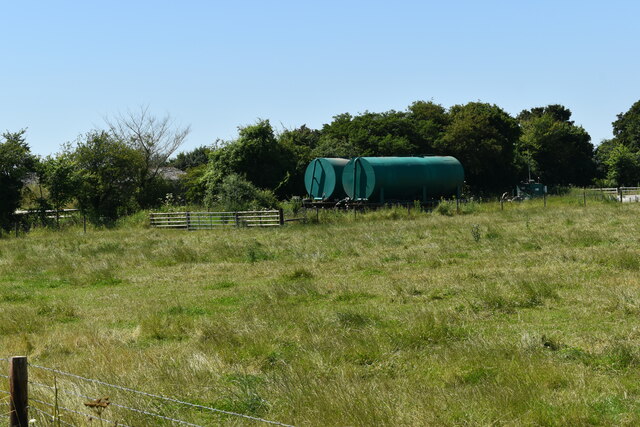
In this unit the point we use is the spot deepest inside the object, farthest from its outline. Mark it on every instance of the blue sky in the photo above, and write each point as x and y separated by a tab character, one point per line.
219	65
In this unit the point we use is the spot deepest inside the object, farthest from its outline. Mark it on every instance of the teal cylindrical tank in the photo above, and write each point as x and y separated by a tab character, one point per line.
323	178
388	179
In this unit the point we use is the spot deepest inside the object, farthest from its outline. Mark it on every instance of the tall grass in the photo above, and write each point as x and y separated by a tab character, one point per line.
526	315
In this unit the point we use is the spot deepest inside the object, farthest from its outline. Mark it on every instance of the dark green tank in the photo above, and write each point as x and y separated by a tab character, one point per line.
323	179
389	179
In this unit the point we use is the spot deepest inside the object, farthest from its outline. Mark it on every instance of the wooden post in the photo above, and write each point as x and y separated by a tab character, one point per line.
18	387
188	220
501	204
584	196
237	219
281	216
16	226
544	197
58	219
457	205
84	223
620	191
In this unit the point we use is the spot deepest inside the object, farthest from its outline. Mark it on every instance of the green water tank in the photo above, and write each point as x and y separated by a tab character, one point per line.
323	178
389	179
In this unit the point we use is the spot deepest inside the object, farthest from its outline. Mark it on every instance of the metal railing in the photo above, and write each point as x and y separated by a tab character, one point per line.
211	220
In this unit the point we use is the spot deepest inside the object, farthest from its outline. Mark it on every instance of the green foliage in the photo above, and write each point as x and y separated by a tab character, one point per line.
194	184
155	139
300	143
257	155
391	133
618	159
626	129
236	193
191	159
623	166
601	157
482	136
446	208
106	173
58	175
555	149
16	162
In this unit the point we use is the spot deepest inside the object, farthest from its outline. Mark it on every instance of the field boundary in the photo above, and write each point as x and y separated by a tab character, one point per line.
212	220
20	402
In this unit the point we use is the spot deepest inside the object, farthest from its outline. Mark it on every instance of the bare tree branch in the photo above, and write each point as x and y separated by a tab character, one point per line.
156	138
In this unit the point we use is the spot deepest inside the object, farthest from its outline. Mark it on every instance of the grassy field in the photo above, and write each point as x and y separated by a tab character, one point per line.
527	316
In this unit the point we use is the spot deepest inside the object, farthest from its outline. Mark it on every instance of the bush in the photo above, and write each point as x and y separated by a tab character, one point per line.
236	193
446	208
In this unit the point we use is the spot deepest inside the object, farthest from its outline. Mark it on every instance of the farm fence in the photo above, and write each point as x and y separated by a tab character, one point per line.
613	194
211	220
47	395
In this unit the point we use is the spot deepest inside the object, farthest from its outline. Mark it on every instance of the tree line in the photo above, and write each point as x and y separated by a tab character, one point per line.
109	172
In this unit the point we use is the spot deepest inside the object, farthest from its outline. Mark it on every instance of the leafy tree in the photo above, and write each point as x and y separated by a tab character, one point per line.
16	162
156	139
482	136
626	129
194	184
554	148
391	133
106	173
235	193
623	165
431	121
301	143
615	162
601	156
191	159
557	112
256	155
59	176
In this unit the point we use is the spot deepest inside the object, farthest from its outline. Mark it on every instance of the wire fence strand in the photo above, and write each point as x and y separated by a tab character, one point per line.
157	396
78	412
117	405
51	416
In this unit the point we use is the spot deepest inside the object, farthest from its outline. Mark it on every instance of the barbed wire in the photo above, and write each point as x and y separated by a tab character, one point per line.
141	411
78	412
157	396
53	417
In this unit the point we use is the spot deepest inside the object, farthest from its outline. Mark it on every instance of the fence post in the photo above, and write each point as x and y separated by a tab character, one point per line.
18	387
544	197
584	196
237	219
188	220
620	192
281	216
16	226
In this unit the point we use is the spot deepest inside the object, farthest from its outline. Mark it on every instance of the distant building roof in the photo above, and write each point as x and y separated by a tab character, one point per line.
170	173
